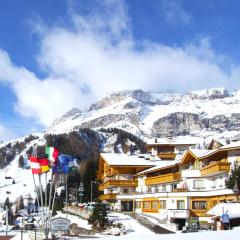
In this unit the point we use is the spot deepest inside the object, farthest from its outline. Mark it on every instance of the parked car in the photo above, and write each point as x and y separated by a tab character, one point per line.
90	206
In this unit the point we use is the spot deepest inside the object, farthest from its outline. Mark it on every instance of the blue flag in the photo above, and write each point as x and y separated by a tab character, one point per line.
64	164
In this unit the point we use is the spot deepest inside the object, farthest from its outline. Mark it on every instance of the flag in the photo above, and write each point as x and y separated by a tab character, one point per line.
52	154
64	164
44	163
35	165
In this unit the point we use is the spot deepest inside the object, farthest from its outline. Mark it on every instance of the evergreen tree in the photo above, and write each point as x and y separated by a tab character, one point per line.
98	217
7	206
233	180
20	202
21	162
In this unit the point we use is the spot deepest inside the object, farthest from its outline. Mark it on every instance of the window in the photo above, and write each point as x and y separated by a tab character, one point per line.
164	188
155	189
146	205
197	165
198	184
162	204
180	204
154	204
199	205
125	190
138	204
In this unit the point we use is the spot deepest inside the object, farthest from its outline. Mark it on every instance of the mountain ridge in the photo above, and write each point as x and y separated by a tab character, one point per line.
152	114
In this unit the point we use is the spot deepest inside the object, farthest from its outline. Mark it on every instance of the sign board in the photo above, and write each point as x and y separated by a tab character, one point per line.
225	218
59	224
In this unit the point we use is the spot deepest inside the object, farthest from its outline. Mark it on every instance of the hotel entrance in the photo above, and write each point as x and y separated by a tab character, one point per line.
127	206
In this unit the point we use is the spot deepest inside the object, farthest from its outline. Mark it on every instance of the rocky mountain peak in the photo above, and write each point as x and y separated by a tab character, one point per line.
209	94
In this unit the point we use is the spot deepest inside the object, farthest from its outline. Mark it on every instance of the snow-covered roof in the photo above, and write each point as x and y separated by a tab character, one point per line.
130	160
173	141
232	209
231	145
202	152
161	164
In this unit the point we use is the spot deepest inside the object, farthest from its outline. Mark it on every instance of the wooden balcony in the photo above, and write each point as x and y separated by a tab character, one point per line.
108	196
180	190
117	183
110	172
171	177
167	155
215	168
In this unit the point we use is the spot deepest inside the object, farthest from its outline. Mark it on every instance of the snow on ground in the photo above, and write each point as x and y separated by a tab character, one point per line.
23	182
23	178
132	226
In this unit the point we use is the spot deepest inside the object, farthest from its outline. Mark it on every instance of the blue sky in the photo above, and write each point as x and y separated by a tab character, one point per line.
59	54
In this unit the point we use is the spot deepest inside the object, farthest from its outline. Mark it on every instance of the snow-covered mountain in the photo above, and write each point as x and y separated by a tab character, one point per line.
200	113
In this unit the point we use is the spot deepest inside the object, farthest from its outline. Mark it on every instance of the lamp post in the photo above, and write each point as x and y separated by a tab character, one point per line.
22	225
92	189
35	229
81	190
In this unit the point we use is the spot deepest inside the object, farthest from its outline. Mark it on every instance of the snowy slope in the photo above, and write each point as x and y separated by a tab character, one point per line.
24	185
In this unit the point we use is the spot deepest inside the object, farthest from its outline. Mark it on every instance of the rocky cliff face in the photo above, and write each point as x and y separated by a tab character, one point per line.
179	123
158	114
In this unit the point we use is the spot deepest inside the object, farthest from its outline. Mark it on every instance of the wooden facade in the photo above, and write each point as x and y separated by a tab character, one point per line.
214	164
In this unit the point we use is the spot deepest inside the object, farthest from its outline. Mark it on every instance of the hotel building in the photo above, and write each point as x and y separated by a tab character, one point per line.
176	182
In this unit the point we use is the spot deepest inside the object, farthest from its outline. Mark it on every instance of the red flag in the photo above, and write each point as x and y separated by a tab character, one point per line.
44	163
35	165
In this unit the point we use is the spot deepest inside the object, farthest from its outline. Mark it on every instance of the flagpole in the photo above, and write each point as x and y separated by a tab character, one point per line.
35	186
66	176
41	196
46	210
54	197
50	194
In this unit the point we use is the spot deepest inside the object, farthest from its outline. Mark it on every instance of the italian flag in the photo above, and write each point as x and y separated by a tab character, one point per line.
52	153
35	165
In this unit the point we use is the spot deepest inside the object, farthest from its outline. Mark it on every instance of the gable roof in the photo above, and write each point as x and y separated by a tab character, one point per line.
121	159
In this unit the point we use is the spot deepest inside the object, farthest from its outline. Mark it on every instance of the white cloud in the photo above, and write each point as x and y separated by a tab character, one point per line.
98	55
174	12
5	133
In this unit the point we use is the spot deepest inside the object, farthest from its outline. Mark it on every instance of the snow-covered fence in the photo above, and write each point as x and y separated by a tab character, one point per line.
77	211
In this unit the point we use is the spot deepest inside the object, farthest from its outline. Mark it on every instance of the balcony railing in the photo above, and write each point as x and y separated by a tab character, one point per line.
180	190
171	177
215	168
167	155
117	183
108	196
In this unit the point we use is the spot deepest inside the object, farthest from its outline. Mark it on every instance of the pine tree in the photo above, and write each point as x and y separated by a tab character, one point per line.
21	162
98	217
233	180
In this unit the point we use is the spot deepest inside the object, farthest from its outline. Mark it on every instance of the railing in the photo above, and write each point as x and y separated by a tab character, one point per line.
180	190
108	196
171	177
167	155
215	168
117	183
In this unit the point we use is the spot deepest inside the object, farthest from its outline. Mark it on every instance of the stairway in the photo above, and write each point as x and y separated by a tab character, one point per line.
150	225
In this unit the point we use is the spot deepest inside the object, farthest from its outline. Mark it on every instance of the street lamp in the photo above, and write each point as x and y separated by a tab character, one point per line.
81	190
92	189
22	225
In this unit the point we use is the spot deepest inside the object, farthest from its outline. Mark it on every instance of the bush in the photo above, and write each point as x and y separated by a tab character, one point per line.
98	218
